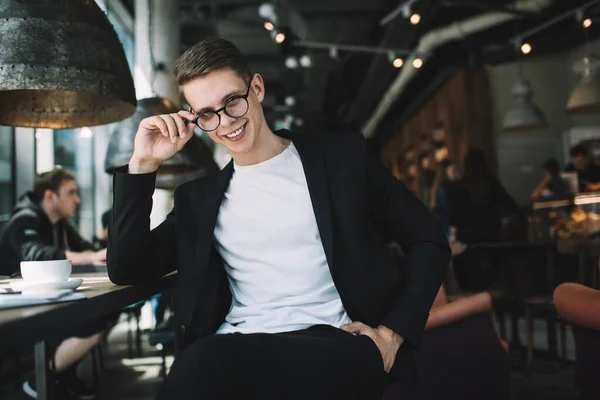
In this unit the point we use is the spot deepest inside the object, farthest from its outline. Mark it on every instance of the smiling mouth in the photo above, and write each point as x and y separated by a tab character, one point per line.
236	133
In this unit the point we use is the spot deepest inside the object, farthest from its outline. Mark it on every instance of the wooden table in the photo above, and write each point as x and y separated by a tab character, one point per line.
34	325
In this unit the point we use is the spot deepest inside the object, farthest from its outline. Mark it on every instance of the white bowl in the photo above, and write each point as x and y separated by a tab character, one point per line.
46	271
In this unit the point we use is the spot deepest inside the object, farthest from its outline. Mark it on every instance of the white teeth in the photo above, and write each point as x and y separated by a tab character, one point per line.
234	134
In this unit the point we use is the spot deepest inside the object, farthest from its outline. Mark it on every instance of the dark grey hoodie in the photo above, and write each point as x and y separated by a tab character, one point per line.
29	236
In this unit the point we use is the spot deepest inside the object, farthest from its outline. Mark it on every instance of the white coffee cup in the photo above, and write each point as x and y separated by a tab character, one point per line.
46	271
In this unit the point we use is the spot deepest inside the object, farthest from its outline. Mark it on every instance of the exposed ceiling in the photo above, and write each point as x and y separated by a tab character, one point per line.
342	93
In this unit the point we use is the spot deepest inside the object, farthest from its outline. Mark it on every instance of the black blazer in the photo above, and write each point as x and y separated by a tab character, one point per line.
351	193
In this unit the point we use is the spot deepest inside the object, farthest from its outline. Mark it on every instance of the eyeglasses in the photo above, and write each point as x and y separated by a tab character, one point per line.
234	107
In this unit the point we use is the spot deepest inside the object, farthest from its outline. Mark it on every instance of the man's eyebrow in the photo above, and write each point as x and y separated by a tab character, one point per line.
223	99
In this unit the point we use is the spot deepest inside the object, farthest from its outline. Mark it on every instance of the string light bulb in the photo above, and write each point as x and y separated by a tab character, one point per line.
280	37
398	62
415	18
587	23
269	26
418	62
526	48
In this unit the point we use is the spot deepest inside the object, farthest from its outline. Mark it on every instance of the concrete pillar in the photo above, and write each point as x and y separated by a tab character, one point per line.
157	37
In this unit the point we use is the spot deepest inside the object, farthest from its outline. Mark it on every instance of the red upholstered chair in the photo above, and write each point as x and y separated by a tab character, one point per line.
461	354
580	306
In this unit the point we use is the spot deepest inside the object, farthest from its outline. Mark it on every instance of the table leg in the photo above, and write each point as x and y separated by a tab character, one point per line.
44	384
581	260
550	268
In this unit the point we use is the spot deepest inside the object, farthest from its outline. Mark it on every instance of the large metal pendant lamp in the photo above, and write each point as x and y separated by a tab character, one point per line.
194	160
585	98
61	66
524	115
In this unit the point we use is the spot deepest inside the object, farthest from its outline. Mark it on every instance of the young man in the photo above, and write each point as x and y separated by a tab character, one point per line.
39	230
286	289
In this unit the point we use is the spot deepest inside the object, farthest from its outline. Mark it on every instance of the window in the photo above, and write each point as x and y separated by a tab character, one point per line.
74	151
7	182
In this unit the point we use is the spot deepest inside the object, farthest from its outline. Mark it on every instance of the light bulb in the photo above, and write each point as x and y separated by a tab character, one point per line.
305	61
587	22
398	62
415	19
266	10
269	26
280	37
86	133
526	48
291	62
417	63
290	101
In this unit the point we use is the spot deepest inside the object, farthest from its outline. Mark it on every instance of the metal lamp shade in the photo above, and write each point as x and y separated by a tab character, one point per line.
524	115
194	160
61	66
585	98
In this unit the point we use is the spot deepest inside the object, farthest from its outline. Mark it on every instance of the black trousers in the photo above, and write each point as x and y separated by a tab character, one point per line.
321	362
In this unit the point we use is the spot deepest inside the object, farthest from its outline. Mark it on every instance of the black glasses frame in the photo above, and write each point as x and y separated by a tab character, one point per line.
224	109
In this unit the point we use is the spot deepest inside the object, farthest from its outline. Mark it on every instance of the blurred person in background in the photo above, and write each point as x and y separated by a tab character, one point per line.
39	230
553	186
481	208
588	173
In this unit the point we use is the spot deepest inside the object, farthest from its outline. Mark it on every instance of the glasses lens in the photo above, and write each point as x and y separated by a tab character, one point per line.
209	121
237	107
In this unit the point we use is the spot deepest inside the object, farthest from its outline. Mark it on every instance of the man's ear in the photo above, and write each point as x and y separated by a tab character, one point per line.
49	195
258	87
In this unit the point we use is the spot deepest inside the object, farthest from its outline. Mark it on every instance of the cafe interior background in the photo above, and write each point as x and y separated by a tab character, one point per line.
517	80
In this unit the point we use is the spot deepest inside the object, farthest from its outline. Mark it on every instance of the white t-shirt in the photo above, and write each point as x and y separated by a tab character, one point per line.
267	235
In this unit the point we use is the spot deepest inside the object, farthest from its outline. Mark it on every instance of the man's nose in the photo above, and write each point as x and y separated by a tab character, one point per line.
226	120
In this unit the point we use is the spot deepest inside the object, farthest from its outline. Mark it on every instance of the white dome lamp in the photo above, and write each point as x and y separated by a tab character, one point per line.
585	98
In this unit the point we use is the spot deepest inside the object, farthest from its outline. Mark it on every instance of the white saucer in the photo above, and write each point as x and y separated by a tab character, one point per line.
22	286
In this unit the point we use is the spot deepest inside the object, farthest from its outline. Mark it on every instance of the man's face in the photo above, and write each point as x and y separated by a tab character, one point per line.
66	199
212	91
579	162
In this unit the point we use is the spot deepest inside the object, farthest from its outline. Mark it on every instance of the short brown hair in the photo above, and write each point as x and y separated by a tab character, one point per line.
211	54
51	180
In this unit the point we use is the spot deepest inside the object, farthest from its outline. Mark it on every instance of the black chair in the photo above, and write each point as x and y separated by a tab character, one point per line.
163	339
133	313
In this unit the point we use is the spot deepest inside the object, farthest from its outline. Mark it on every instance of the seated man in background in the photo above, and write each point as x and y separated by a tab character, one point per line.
39	230
588	173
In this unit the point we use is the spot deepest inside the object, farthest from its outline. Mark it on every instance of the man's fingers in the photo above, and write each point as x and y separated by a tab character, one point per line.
187	115
358	328
158	123
180	124
173	132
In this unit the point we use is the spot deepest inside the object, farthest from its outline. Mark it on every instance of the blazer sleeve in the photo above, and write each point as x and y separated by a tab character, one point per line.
136	254
425	246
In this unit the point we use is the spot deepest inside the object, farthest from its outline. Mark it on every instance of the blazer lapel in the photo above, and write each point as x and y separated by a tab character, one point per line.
313	161
208	218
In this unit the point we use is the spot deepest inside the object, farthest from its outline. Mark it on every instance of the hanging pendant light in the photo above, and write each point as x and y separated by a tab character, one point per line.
585	98
524	115
61	66
194	160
